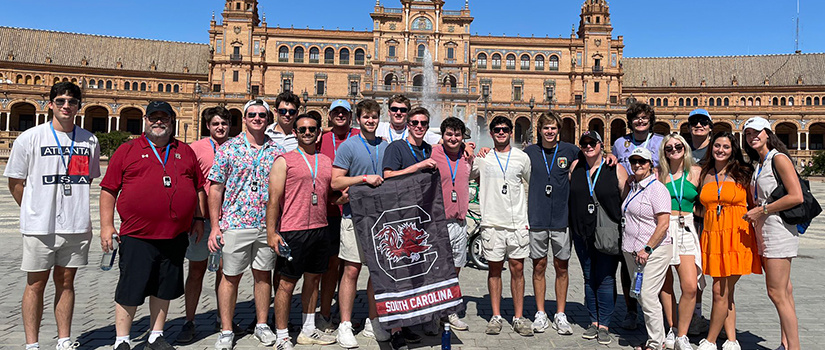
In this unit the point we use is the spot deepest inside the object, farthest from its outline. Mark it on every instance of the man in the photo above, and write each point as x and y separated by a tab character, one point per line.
217	121
396	129
287	105
158	169
50	170
504	222
340	115
547	213
412	153
454	169
358	160
299	191
237	208
701	126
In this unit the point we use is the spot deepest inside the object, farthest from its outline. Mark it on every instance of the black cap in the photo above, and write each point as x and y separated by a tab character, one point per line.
160	106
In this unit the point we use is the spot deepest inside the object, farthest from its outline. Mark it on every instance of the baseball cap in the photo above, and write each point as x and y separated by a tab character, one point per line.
340	103
258	102
643	153
591	134
758	124
698	113
160	106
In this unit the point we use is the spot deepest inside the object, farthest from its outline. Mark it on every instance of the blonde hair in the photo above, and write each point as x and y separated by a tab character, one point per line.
664	162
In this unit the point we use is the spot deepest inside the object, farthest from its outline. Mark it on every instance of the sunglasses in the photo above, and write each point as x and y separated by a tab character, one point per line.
303	129
398	109
703	122
253	115
155	119
679	147
591	143
499	129
638	161
423	123
62	101
284	111
645	118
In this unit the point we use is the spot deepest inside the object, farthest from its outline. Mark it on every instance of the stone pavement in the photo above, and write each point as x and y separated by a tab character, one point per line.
93	324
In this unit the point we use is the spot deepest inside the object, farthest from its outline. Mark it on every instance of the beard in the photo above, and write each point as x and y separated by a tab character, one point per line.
163	134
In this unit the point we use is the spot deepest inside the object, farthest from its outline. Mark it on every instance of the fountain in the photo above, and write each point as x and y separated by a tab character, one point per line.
429	92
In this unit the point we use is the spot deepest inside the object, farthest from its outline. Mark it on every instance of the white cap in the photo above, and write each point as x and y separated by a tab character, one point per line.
758	124
254	103
642	152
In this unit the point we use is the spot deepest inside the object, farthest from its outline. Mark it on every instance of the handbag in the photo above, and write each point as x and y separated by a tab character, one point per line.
802	213
608	236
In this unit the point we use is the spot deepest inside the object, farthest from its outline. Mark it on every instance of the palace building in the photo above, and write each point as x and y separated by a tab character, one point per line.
584	76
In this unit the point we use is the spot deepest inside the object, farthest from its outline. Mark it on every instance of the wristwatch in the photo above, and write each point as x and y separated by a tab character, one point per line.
765	208
648	249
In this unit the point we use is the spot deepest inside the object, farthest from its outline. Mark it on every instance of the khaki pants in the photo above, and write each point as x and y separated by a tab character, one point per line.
652	282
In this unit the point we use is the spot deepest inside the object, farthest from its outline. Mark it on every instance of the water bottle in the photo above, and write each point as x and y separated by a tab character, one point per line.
636	287
108	259
214	262
285	252
445	337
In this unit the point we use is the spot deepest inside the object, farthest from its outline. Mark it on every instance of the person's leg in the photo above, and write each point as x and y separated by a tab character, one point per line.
730	320
308	302
689	286
227	298
283	299
719	309
603	280
347	290
329	281
371	308
263	296
158	308
539	281
516	285
668	299
588	271
193	287
64	297
124	315
562	283
631	305
778	284
494	285
655	270
32	304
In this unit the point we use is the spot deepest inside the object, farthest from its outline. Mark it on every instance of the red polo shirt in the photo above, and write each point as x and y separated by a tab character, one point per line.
147	208
329	149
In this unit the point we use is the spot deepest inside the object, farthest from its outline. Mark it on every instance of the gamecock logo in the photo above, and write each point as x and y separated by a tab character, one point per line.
401	243
408	242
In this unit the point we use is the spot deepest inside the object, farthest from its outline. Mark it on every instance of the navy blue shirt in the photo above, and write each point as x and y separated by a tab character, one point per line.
398	155
549	212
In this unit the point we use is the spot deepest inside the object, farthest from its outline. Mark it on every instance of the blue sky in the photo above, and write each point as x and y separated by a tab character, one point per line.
649	27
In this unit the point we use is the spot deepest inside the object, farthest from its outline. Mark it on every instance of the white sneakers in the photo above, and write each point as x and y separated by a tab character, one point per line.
731	345
561	325
540	322
670	339
345	337
683	343
704	344
373	330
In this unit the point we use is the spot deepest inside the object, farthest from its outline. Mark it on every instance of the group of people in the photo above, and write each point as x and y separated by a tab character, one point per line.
274	199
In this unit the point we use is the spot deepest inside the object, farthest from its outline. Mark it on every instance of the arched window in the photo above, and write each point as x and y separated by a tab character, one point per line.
718	101
525	62
775	101
176	88
38	80
496	61
108	85
790	101
710	102
56	80
314	55
343	56
742	101
539	62
658	102
750	101
134	86
422	23
390	79
359	57
142	86
298	54
783	101
695	101
511	61
687	102
19	79
160	87
652	102
29	80
808	101
481	62
329	56
450	81
757	102
664	102
283	54
682	102
727	102
126	86
816	101
554	62
421	50
169	88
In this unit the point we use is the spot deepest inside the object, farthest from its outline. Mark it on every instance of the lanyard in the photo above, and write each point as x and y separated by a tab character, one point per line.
403	133
756	179
214	148
649	134
718	186
313	173
503	169
60	148
452	174
373	160
335	147
681	194
413	152
165	157
550	167
256	161
591	184
624	211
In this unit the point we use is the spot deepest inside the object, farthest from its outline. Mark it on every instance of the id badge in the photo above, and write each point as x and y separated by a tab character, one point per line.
314	198
454	196
254	186
623	223
548	190
504	189
681	220
67	190
591	208
719	210
167	181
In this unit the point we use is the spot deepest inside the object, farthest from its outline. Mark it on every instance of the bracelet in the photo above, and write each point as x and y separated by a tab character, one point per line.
364	179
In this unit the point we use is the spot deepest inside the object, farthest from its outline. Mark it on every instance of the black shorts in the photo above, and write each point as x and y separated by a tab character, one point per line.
334	235
150	267
309	253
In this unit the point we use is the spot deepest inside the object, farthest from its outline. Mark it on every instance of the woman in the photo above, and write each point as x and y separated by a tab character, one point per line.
681	177
728	243
590	176
645	241
778	242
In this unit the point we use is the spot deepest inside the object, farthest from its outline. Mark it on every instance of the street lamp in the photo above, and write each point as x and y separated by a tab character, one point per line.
305	97
485	95
532	105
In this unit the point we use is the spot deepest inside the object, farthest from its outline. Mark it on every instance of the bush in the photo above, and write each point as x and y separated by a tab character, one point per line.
110	141
818	168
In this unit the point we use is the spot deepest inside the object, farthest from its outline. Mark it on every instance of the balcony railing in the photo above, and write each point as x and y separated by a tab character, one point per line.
452	13
283	59
598	69
388	10
235	57
329	61
419	89
359	62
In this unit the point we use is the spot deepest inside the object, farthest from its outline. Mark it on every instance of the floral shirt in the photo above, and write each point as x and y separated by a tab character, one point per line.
244	171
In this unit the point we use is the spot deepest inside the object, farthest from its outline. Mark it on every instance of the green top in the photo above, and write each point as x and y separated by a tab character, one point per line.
689	196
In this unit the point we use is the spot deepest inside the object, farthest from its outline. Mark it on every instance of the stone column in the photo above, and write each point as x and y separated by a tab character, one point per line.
117	123
8	122
109	124
798	140
807	141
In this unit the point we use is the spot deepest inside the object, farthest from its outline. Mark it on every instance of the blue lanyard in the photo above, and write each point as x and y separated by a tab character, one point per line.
334	146
403	133
591	184
503	169
165	157
452	174
756	180
313	173
214	148
644	144
719	187
413	152
624	211
681	194
550	167
60	148
373	160
256	162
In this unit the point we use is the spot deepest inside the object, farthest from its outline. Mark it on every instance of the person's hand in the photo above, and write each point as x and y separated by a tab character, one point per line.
215	235
483	152
425	164
373	180
754	215
641	257
197	230
106	234
275	241
612	160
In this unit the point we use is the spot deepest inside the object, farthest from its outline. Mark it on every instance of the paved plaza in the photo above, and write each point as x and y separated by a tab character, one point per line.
93	325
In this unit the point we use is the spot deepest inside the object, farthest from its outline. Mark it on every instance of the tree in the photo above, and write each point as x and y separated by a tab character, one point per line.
818	167
110	141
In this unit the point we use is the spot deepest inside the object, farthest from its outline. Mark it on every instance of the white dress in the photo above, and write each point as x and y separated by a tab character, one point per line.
776	238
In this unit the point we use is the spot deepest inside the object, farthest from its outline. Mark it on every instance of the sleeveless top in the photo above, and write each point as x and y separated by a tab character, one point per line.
689	195
763	183
606	190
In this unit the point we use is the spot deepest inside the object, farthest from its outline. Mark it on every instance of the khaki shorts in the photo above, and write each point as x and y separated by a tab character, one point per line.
246	248
458	241
500	243
350	248
559	240
43	252
199	251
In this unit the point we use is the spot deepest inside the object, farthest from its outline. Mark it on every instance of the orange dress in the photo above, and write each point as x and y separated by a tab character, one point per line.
728	241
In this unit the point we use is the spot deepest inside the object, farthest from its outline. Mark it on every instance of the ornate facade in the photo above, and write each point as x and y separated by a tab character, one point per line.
583	76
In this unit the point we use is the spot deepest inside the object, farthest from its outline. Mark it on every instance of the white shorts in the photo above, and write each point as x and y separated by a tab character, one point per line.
500	243
246	248
458	240
686	243
350	248
43	252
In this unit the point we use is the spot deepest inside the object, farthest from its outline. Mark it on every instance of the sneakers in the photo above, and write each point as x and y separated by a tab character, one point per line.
494	326
123	346
224	341
68	345
432	328
455	322
324	324
345	337
683	343
317	337
561	325
731	345
523	326
187	333
591	332
781	347
670	339
540	322
629	321
282	344
373	330
604	336
409	335
159	344
704	344
698	325
397	341
265	335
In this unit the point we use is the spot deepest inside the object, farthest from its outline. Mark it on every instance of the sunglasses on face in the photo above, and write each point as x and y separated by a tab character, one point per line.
303	129
155	119
62	101
398	109
499	129
640	119
678	147
261	115
638	161
702	122
591	143
284	111
423	123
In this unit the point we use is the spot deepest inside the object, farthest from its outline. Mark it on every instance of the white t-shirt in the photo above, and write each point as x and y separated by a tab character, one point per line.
35	157
386	132
500	210
288	142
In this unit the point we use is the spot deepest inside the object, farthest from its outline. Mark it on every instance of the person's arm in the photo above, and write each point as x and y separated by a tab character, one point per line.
570	169
787	175
611	159
16	187
340	180
662	225
424	164
215	200
621	175
197	225
277	182
107	218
